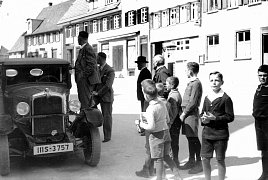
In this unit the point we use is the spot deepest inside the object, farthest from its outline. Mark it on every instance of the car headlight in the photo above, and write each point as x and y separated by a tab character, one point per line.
23	108
74	105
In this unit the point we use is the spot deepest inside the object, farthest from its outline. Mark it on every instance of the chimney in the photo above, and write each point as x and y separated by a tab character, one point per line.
50	4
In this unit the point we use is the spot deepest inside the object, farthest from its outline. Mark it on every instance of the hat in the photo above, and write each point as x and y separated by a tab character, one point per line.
83	34
141	59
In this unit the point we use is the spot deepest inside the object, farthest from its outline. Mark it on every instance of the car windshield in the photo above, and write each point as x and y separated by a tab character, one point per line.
36	73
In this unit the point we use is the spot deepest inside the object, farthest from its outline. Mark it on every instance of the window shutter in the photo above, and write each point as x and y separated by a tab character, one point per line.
224	4
81	27
147	14
135	17
205	6
120	21
151	21
139	16
126	19
90	26
98	25
245	2
219	4
101	25
73	31
108	23
188	7
111	22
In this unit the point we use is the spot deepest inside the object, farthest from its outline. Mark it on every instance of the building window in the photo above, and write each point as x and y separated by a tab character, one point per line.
35	40
54	53
45	38
195	11
86	26
68	32
57	36
107	2
165	18
213	49
104	24
95	26
156	20
232	3
54	37
213	5
243	44
185	13
130	18
105	49
254	1
77	29
183	44
174	16
48	38
144	15
29	41
116	21
131	53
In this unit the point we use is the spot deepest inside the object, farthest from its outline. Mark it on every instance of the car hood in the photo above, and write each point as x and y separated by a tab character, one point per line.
28	91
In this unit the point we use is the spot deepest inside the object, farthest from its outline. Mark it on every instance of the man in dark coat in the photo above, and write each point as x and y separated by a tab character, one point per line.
260	113
104	94
144	74
86	71
161	72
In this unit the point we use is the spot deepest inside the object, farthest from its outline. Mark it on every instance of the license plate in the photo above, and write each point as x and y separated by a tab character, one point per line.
53	148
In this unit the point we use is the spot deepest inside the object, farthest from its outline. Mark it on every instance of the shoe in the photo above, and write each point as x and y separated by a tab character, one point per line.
106	140
189	165
197	168
142	133
143	173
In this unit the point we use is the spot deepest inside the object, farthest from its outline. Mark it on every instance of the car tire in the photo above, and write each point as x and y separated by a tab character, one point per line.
4	156
92	147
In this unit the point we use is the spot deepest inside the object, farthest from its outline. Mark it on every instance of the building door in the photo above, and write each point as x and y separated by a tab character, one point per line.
264	48
118	57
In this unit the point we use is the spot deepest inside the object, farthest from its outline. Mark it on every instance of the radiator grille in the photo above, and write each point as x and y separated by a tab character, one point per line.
47	105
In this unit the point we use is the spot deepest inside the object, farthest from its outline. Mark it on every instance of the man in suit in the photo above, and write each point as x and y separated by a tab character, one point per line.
161	72
144	74
104	94
86	71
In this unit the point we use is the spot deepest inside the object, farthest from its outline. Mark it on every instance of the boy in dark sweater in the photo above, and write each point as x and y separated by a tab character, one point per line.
217	112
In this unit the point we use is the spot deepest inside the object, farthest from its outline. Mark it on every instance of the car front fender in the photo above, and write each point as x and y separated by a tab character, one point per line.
94	116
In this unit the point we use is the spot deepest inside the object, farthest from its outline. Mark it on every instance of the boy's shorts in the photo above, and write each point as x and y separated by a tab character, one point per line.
208	147
160	144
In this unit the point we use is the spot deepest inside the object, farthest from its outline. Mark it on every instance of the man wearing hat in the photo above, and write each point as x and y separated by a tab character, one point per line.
144	74
86	71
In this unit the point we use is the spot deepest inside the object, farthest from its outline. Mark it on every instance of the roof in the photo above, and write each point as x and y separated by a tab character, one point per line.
25	61
80	9
3	50
19	44
51	15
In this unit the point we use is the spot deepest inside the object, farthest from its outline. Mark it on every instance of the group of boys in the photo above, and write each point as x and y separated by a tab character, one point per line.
166	115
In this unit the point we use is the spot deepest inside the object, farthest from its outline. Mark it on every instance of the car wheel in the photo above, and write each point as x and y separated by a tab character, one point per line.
92	147
4	156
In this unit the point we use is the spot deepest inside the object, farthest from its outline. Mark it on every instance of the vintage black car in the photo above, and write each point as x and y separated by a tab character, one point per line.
37	113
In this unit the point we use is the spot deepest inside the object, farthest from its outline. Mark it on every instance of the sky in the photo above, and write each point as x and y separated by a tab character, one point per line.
13	16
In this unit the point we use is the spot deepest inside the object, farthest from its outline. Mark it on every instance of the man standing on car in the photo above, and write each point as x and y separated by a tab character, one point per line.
144	74
86	71
260	113
104	94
